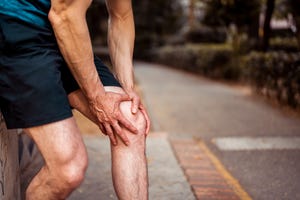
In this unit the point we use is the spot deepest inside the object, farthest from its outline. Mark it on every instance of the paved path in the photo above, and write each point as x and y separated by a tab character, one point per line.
189	107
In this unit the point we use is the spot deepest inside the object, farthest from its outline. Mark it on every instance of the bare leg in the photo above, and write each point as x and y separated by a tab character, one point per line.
129	167
129	162
65	157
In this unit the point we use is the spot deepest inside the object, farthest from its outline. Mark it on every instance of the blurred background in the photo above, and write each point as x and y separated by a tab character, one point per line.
209	37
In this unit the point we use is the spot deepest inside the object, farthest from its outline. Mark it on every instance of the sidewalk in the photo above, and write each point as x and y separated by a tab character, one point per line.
166	179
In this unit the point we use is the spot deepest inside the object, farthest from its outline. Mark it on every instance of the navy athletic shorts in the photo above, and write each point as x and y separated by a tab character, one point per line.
34	78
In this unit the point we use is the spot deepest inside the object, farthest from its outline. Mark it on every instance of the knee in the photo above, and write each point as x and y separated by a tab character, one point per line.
138	119
71	172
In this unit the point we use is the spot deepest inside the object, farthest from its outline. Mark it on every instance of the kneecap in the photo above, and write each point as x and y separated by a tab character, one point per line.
138	120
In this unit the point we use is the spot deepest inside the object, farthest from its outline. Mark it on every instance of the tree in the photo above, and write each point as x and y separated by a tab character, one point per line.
244	14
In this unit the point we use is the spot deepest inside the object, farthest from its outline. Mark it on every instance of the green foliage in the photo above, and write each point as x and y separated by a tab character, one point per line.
275	75
213	60
287	44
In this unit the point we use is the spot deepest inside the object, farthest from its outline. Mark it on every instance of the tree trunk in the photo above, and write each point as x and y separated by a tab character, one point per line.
267	28
192	14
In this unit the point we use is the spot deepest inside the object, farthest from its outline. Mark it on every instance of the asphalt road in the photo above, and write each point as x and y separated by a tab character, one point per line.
264	153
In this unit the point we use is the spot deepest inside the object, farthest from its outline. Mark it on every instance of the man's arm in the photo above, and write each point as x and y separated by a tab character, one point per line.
68	21
121	34
69	24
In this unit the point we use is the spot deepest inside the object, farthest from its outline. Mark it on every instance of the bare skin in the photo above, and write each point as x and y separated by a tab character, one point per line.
65	157
119	113
129	168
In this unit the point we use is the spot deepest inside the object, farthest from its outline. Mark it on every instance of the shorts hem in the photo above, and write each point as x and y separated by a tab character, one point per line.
38	123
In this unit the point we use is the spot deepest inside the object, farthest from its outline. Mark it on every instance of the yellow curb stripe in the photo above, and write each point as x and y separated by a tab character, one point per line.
237	188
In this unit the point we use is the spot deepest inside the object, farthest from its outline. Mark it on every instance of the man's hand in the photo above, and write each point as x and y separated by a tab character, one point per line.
110	119
137	105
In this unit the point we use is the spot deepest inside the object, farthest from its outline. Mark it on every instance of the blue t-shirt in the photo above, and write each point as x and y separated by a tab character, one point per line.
31	11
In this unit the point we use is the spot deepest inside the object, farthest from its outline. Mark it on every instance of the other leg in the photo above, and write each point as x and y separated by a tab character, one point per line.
65	156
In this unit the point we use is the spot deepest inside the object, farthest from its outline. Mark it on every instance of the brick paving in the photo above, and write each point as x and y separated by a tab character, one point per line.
206	181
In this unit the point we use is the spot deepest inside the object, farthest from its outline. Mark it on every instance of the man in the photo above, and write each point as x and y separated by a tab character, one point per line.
45	48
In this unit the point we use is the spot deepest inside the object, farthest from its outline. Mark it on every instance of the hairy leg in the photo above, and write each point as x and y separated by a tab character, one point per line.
129	166
65	156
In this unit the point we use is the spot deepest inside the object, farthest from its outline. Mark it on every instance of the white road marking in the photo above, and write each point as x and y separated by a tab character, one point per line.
257	143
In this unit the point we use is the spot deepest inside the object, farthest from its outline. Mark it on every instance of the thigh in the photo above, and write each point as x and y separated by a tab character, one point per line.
60	142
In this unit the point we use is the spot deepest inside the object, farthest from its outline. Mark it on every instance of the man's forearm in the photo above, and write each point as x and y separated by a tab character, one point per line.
71	31
121	40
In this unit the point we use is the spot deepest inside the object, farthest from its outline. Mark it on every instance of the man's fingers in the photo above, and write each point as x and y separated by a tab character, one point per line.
102	129
110	134
127	124
135	105
121	134
148	123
